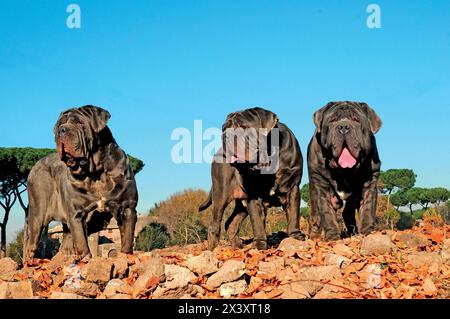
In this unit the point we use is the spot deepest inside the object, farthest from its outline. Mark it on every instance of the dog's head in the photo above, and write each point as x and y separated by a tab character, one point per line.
243	134
345	130
78	135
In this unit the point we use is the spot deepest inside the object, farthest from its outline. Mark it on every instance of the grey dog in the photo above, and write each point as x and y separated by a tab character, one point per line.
344	166
84	185
240	173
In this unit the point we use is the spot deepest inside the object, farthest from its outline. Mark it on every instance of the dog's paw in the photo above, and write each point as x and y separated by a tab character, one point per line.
260	244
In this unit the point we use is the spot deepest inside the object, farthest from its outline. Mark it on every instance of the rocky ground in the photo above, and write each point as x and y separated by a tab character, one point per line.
408	264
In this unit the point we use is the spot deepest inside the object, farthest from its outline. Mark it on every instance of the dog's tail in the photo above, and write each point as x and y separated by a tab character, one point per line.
207	203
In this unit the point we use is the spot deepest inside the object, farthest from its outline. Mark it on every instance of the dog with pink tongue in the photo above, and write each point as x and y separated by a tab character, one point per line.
343	167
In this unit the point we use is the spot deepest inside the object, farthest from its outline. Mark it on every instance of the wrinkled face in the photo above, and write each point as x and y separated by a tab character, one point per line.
75	134
346	133
244	135
71	139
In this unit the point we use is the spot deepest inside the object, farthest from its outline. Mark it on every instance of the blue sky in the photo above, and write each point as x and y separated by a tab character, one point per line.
159	65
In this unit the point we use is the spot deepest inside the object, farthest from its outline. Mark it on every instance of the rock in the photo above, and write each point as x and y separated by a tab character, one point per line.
117	286
98	270
178	277
7	265
204	264
376	244
337	260
343	250
297	288
446	251
411	240
291	245
233	288
429	288
16	290
86	289
120	266
147	282
59	261
271	267
291	295
231	270
312	277
65	295
154	265
424	259
329	291
120	297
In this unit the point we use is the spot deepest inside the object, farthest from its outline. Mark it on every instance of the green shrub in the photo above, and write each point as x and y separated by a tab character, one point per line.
153	236
48	247
406	221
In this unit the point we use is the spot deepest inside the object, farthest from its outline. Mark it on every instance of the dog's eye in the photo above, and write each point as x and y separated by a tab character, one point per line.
355	119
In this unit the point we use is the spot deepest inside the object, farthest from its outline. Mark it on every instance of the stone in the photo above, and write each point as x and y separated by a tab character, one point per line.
178	277
292	245
120	297
312	278
297	288
65	296
343	250
445	253
120	266
233	288
291	295
7	265
16	290
429	288
230	271
271	267
376	244
329	291
145	283
117	286
98	270
59	261
337	260
424	258
154	265
204	264
411	240
86	289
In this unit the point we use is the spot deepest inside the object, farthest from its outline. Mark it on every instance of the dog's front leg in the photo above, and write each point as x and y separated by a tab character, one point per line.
255	211
127	226
367	211
78	229
323	214
292	209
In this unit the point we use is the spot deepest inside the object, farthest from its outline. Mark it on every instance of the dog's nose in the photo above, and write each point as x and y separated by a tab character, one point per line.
343	129
62	130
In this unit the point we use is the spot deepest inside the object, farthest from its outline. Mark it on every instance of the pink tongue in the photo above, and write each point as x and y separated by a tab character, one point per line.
346	160
233	159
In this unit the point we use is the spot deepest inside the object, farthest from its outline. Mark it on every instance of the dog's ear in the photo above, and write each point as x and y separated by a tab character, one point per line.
372	116
318	116
96	116
267	118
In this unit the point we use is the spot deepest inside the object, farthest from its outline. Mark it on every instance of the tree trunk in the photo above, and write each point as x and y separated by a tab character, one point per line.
2	240
410	208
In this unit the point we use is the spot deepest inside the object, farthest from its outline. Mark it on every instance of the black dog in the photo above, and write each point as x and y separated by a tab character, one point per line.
260	165
83	186
343	165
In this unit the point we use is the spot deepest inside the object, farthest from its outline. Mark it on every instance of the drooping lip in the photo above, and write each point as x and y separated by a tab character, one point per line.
347	159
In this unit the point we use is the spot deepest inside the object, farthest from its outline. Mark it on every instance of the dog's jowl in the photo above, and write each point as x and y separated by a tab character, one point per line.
344	168
259	166
86	183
